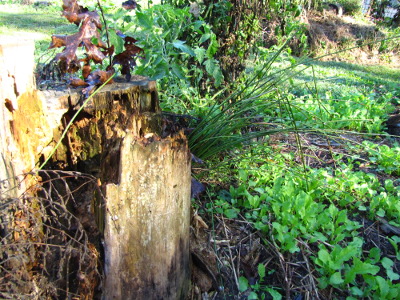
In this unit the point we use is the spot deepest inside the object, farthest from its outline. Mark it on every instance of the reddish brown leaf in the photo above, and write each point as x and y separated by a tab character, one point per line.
73	11
127	58
97	78
86	68
108	51
100	77
87	32
129	5
77	82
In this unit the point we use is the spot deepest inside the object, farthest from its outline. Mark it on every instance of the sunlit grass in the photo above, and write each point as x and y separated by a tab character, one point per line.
34	23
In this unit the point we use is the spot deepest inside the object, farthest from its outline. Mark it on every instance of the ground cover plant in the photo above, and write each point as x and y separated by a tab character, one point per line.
302	180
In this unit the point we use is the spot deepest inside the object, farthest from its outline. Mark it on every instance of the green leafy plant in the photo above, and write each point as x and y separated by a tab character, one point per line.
351	7
386	158
258	290
179	48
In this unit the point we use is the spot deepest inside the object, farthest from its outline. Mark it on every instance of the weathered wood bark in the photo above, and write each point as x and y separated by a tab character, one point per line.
149	211
24	130
146	179
143	172
24	133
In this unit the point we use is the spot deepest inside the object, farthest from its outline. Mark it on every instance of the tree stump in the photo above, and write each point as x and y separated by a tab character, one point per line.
144	174
146	180
149	210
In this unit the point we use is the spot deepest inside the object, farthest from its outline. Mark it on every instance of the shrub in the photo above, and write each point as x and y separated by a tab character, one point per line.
351	7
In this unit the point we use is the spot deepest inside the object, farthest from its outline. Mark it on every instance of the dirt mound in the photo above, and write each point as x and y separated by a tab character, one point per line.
343	38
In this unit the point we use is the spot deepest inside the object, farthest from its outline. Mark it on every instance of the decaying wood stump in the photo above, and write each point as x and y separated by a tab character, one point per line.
16	91
144	174
146	180
24	133
148	209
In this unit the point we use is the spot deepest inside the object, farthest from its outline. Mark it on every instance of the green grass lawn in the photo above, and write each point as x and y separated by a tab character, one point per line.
31	23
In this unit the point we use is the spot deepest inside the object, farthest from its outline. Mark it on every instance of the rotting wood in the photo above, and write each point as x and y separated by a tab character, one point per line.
144	173
16	88
149	210
146	180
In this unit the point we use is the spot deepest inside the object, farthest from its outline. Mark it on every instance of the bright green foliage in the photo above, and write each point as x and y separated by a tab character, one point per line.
386	158
177	47
358	112
330	96
317	206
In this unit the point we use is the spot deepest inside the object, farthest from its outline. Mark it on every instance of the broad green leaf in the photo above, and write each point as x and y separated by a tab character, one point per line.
200	54
118	14
261	226
387	263
178	72
364	268
213	47
383	286
318	236
230	213
210	66
275	294
217	74
392	275
243	284
336	279
323	282
394	291
259	190
197	24
261	271
243	175
252	296
116	41
204	38
144	20
360	268
356	291
324	256
374	255
184	48
160	70
380	213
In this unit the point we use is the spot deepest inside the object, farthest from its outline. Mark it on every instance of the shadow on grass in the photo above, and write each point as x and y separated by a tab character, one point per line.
362	75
